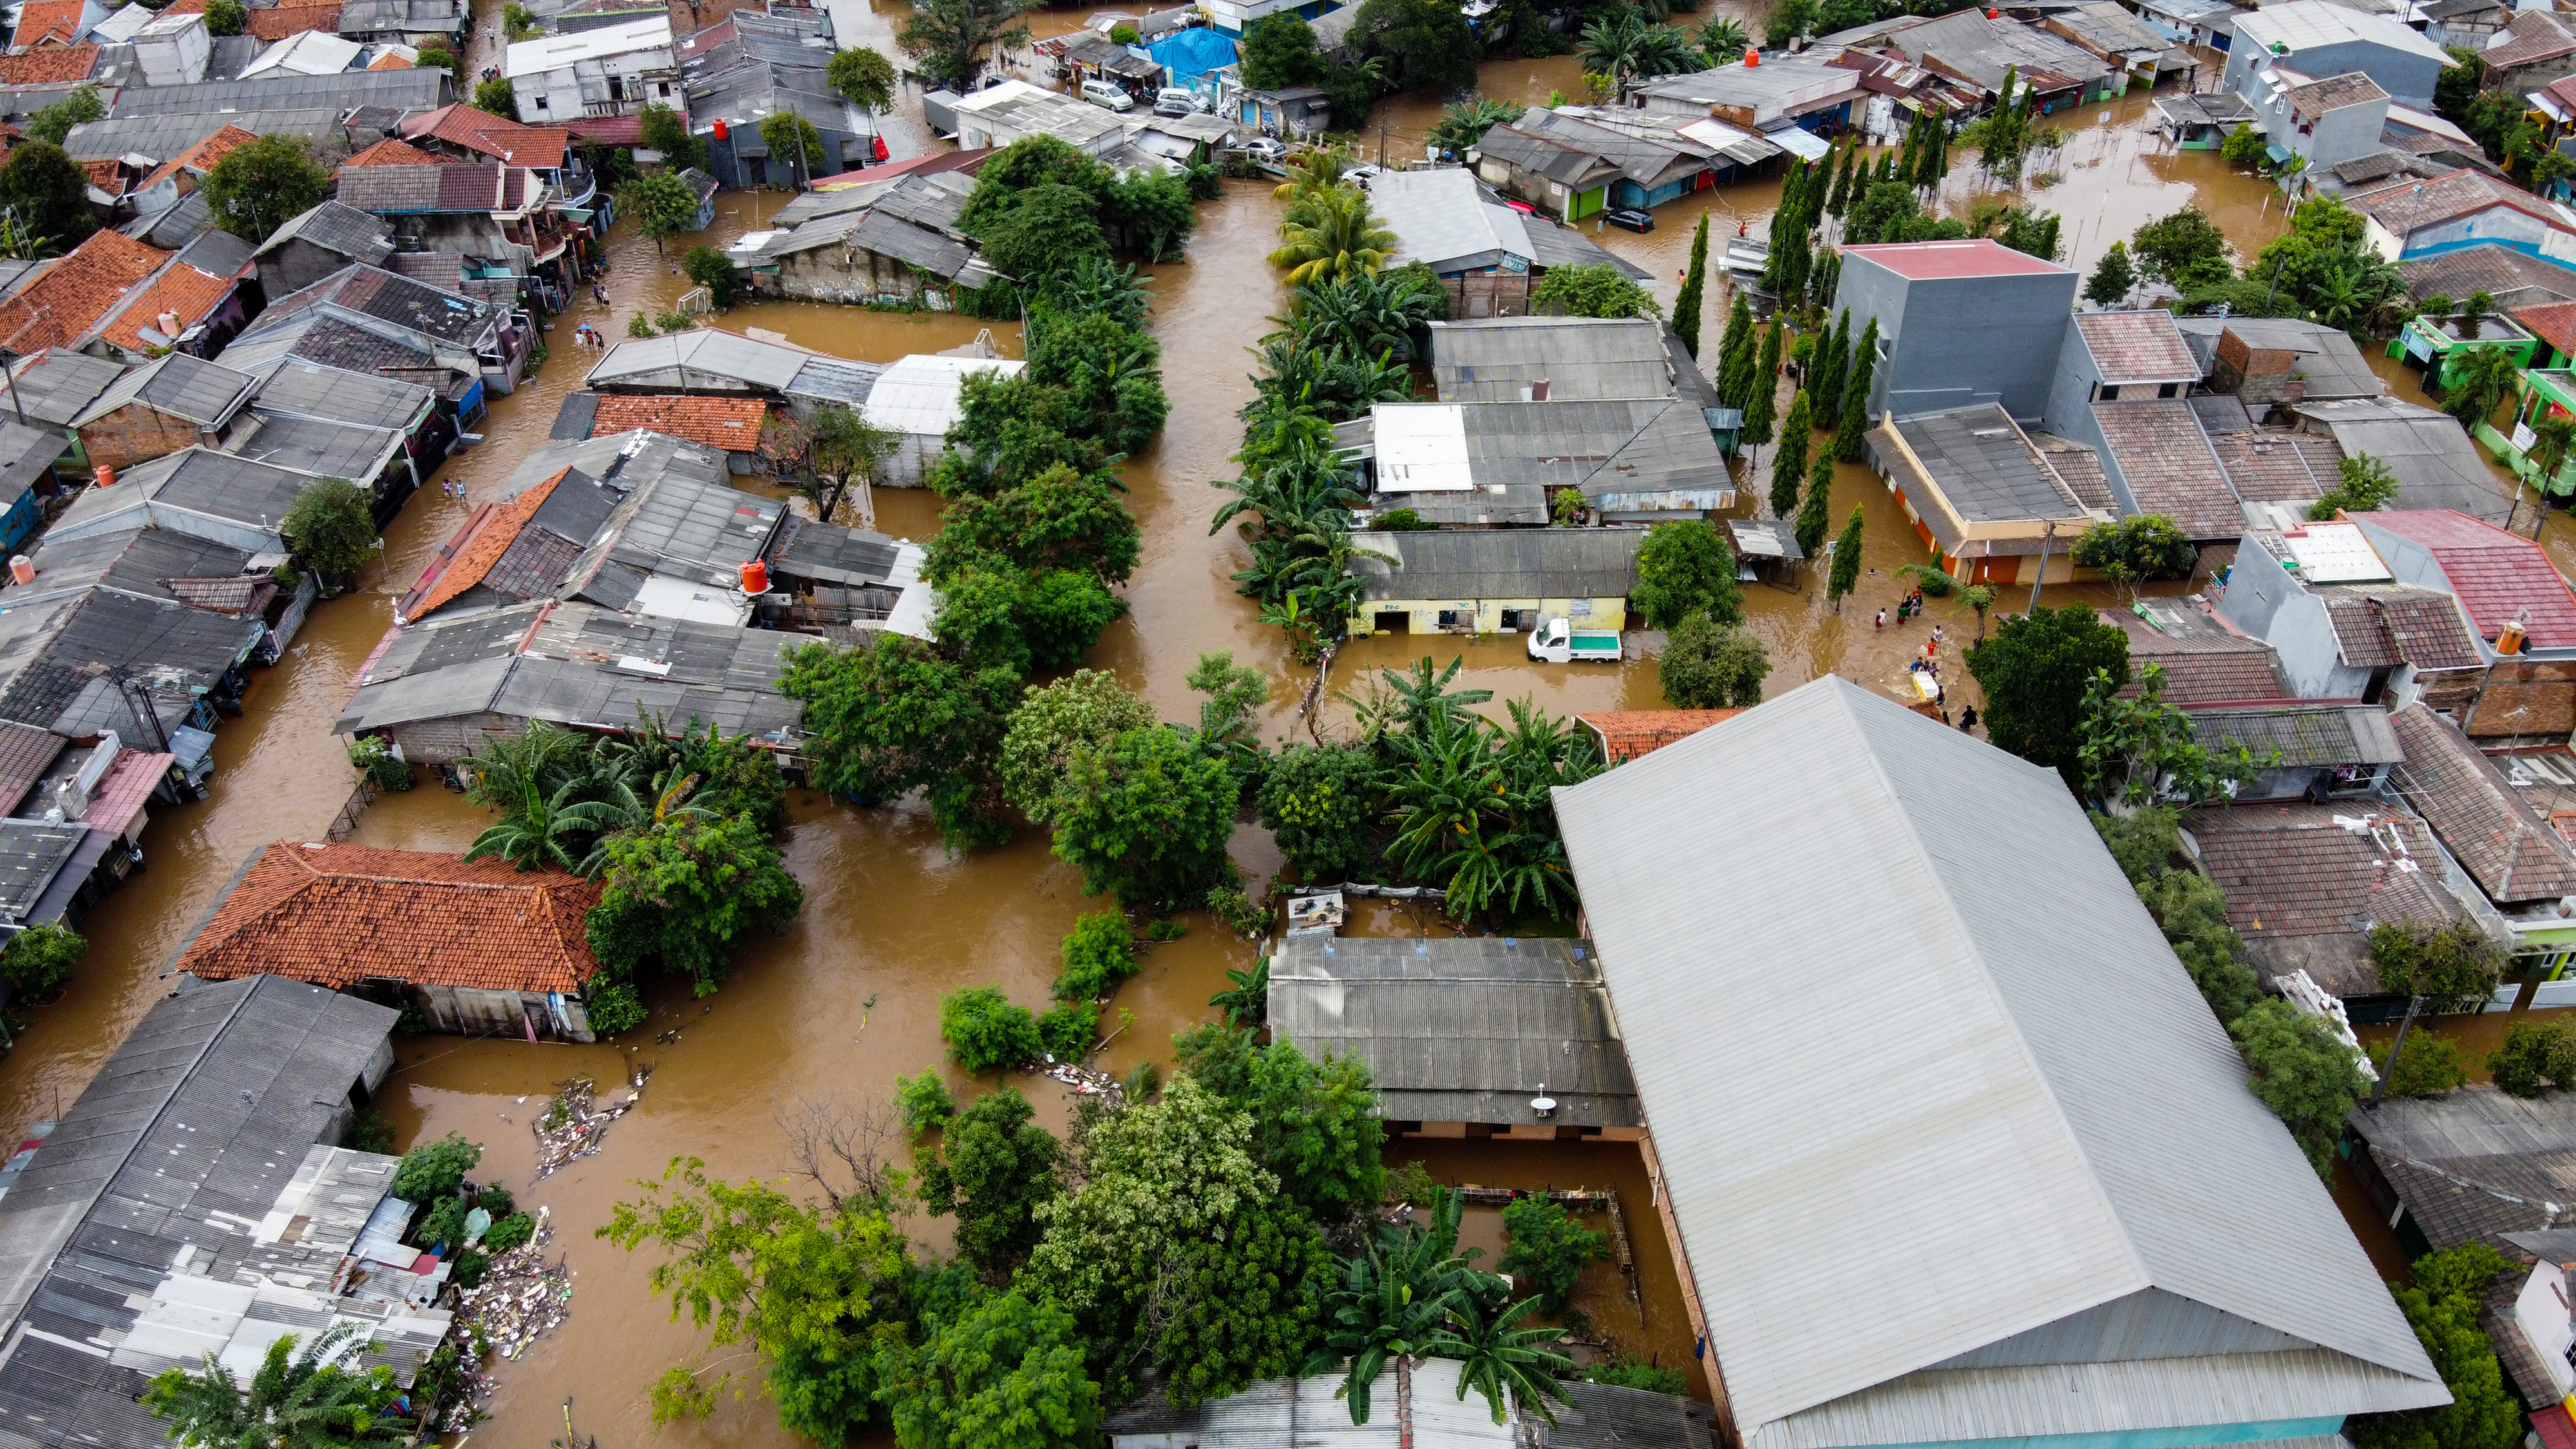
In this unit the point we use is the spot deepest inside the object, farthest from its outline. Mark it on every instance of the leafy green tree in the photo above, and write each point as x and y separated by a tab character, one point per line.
951	40
1855	420
1735	353
715	271
225	17
1430	42
2192	911
2113	280
2476	380
1052	229
664	130
1789	465
795	147
1003	1371
2140	546
2183	250
53	124
47	195
808	1287
993	1168
1469	804
1316	802
1314	1122
297	1400
1684	569
893	718
1502	1362
1246	1000
1708	665
985	1031
1548	1250
923	1102
2302	1071
1846	568
434	1170
39	959
1279	50
1762	390
260	185
2430	1067
2035	671
2452	961
686	891
1059	519
331	525
1591	290
497	97
661	205
2444	1308
1098	954
2363	484
1145	817
1180	1252
1086	707
2534	1053
862	77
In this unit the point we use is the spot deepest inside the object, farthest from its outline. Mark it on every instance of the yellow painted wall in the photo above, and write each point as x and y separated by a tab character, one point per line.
1610	613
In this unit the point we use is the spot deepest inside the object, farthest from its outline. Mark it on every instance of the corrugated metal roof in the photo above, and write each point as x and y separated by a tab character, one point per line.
1579	358
2012	1153
1517	563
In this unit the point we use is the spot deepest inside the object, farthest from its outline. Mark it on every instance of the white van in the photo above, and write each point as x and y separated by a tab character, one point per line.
1102	93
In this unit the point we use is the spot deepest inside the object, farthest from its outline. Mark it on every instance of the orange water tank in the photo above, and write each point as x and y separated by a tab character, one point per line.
1752	58
2509	639
104	474
755	577
723	131
22	568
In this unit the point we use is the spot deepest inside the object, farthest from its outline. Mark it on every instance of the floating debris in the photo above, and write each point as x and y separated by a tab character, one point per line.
574	1122
1088	1082
521	1296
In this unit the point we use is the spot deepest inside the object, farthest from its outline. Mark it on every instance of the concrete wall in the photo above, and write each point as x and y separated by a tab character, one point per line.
847	275
2502	225
470	1011
2263	600
1422	616
2070	410
1960	342
450	738
2406	76
137	434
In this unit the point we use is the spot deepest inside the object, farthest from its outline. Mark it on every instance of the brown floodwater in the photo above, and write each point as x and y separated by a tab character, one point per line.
846	1000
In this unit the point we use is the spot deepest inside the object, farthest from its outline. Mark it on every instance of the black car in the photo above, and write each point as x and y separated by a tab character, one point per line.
1632	217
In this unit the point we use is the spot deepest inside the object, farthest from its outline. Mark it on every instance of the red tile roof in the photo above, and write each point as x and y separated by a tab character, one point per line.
336	915
61	307
2531	37
51	66
609	130
58	21
2497	575
1628	734
2513	853
392	153
2137	347
107	175
2168	469
184	7
125	790
201	158
495	136
732	424
276	22
2301	887
462	562
1926	261
390	61
192	294
2551	322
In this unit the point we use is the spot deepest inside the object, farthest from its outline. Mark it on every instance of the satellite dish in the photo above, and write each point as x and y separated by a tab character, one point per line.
1543	1104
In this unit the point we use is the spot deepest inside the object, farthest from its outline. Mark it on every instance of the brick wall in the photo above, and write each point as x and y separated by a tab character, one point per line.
136	434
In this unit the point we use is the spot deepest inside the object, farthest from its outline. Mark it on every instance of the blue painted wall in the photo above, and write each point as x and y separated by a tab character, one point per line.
2184	1437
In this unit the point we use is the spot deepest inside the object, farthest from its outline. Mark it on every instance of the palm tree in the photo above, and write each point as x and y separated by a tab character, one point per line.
307	1400
1463	125
1663	50
1609	47
2477	382
1394	1299
1319	171
1337	237
1498	1358
1247	1003
1100	285
1723	40
621	810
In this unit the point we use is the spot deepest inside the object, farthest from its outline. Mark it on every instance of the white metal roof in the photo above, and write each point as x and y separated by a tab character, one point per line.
1422	448
2335	553
1440	218
2304	23
1953	1143
920	393
310	52
553	52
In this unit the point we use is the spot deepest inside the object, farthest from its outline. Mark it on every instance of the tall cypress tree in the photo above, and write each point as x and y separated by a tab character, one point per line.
1688	305
1846	561
1939	128
1833	363
1825	278
1911	156
1789	468
1784	224
1855	419
1795	259
1838	201
1735	357
1762	393
1815	512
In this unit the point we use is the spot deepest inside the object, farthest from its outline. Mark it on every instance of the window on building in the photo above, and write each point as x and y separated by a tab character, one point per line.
617	88
2171	389
2109	393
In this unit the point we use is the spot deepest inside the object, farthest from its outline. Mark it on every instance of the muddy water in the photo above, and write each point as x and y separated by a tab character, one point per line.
845	1001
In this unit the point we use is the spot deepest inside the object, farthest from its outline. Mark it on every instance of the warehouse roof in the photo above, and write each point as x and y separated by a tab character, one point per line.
1520	563
337	915
2031	1176
1465	1029
1496	359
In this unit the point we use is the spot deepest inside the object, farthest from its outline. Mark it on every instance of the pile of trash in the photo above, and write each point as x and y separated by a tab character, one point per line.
520	1297
573	1123
1087	1081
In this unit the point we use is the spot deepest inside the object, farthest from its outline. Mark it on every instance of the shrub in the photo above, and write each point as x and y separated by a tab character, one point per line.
368	1132
1548	1250
714	271
39	959
444	1225
2430	1067
1635	1373
614	1008
984	1031
508	1233
496	1201
471	1265
923	1101
435	1169
1403	520
377	761
1098	954
1240	915
1068	1030
2535	1055
332	526
2450	963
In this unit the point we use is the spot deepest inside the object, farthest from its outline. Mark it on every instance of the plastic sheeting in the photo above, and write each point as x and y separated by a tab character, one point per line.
1189	54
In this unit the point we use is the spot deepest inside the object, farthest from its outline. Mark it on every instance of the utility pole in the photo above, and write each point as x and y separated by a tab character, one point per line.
2045	539
1381	140
2380	1088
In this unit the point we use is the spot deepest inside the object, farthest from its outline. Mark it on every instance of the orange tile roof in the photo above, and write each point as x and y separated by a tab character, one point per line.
1627	734
390	61
201	158
60	307
495	136
392	153
719	422
54	65
107	175
463	561
2551	322
184	7
276	22
337	915
55	20
192	294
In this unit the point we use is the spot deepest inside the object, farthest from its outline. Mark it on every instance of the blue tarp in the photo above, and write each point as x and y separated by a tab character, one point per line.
1189	54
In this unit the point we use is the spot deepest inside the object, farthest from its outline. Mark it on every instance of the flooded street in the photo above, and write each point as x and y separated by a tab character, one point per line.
847	1000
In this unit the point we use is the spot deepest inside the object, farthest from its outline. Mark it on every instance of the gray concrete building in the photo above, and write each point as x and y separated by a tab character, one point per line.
2318	38
1960	324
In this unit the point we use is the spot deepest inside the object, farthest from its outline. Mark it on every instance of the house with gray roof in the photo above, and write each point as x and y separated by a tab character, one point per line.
193	1202
1501	463
2471	1165
1551	359
708	362
2264	360
2436	464
2317	38
1977	489
55	386
899	240
2043	1259
367	295
291	387
196	491
318	243
1415	1404
2307	882
1556	173
1495	580
174	402
419	89
1783	93
1486	254
1966	45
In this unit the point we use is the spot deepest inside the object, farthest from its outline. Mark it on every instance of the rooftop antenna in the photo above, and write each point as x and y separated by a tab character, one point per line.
1543	1104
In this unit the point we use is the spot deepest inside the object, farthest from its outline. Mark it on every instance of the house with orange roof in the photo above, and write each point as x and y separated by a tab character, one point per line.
62	307
55	22
277	22
463	134
478	947
729	424
175	178
391	153
1628	734
53	65
193	304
